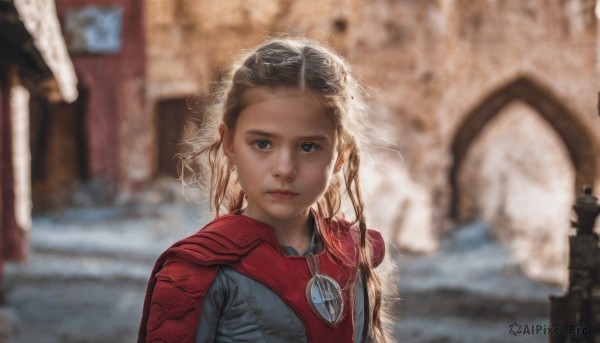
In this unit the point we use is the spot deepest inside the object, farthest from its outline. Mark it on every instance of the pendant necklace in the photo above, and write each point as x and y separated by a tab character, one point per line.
323	294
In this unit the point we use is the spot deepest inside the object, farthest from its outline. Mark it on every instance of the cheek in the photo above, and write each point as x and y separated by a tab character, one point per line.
246	175
244	180
321	175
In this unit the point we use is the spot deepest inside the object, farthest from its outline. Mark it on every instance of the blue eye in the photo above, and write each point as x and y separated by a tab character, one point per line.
261	144
309	147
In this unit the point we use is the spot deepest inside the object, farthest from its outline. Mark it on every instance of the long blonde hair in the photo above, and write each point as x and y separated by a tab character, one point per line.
307	66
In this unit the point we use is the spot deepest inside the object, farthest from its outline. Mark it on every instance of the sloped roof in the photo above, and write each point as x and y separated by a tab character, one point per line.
40	19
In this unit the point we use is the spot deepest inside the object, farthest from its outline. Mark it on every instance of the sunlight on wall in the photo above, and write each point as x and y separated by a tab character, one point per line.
396	205
19	102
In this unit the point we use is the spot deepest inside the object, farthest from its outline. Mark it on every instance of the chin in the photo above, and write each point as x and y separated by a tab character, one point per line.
286	213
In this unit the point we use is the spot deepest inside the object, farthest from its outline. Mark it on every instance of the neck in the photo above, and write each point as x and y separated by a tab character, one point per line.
296	234
293	232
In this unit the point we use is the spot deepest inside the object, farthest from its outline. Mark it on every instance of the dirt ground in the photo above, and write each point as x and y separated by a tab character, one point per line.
88	268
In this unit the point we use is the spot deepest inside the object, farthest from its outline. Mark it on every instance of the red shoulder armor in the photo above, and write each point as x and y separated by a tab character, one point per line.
222	241
183	274
378	245
174	299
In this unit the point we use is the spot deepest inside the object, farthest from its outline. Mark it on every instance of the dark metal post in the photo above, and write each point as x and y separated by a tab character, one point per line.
577	313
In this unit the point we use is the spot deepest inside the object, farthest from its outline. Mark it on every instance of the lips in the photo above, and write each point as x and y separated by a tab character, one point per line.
282	194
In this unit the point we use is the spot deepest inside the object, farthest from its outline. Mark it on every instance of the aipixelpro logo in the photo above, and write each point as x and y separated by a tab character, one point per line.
516	329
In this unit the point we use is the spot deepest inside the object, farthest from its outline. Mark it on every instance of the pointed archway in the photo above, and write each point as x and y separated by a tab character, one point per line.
572	132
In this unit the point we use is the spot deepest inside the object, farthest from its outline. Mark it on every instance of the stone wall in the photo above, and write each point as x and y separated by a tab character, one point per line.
429	64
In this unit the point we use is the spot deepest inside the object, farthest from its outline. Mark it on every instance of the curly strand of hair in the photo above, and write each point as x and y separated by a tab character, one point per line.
333	197
237	202
220	177
328	207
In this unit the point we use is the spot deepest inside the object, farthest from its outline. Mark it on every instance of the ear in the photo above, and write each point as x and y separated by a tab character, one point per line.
226	143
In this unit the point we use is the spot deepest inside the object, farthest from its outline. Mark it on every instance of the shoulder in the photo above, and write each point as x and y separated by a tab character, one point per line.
191	278
377	246
184	273
222	241
232	228
174	301
350	236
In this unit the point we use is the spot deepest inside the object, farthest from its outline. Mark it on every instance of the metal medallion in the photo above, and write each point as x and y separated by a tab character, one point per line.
324	294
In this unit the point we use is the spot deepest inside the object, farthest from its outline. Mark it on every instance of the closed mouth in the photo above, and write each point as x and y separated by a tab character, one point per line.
283	192
283	195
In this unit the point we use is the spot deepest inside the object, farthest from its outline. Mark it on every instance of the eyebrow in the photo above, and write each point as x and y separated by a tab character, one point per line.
273	135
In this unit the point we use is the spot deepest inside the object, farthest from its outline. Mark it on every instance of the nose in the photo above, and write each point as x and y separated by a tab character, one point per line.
284	165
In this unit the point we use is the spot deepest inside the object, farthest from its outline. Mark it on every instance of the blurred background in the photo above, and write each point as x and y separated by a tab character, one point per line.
485	129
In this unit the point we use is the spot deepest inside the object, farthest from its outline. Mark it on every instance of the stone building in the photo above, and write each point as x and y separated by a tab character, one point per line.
90	141
483	108
33	64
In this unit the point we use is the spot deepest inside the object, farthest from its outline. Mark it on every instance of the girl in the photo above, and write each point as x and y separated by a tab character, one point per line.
282	266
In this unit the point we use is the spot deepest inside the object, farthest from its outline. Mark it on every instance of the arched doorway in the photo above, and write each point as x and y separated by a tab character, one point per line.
59	162
577	141
172	116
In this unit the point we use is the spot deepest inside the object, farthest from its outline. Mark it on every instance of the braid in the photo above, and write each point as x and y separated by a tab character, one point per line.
220	176
372	279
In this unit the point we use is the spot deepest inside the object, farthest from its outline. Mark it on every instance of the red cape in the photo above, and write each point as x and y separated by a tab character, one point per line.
183	274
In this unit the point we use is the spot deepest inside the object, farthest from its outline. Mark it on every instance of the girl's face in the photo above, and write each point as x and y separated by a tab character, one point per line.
284	149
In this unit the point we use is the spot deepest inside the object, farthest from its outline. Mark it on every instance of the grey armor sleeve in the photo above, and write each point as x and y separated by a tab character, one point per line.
211	311
359	309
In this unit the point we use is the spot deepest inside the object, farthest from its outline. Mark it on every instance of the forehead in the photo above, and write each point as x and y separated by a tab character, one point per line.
285	111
